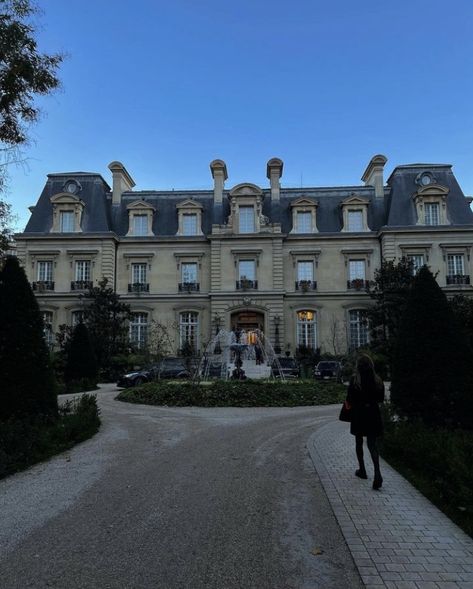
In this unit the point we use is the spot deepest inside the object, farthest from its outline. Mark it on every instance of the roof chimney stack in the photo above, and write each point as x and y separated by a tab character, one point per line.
273	173
122	181
373	175
219	174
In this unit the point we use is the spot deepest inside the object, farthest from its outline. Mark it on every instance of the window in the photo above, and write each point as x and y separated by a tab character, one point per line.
83	270
139	329
432	213
306	329
140	225
304	222
138	273
455	265
247	219
188	330
246	269
189	272
358	325
355	220
66	221
356	270
189	224
417	262
305	271
45	271
48	327
77	317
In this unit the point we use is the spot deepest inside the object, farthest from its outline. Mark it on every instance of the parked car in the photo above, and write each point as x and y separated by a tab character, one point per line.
328	370
166	369
288	366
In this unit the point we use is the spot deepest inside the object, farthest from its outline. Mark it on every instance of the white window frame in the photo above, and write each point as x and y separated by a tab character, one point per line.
139	272
47	317
430	218
249	218
354	264
455	264
306	328
140	225
189	329
190	230
304	221
184	269
242	276
69	226
358	328
138	329
355	220
44	271
418	260
304	275
83	271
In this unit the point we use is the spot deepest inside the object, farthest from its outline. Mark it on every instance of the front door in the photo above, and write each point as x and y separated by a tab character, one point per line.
247	320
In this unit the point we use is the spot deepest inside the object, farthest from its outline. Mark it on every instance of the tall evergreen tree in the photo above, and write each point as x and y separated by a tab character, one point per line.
107	319
28	387
432	372
81	362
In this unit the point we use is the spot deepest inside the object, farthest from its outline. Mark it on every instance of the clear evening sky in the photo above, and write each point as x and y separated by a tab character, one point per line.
167	86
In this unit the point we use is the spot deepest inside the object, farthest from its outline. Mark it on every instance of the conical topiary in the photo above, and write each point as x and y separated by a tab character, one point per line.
27	381
81	362
432	365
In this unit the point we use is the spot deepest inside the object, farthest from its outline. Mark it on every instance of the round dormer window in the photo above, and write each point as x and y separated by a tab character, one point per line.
426	179
71	186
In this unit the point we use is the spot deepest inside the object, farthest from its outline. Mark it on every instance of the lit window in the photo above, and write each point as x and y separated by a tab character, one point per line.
139	329
417	261
356	270
83	270
45	271
306	329
188	330
247	219
189	224
304	222
455	265
305	271
355	221
358	328
140	225
189	272
432	213
48	328
246	269
66	222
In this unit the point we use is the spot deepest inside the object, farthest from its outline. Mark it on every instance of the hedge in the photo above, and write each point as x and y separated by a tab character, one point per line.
248	393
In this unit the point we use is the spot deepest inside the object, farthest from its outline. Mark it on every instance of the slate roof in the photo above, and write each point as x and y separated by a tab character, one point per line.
396	209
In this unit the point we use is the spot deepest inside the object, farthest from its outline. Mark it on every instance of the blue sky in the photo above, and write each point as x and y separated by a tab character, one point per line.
165	87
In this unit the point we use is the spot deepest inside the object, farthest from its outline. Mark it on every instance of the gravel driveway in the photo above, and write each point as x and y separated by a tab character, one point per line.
165	498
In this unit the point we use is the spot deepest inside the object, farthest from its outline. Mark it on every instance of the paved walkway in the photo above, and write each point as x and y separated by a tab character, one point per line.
397	538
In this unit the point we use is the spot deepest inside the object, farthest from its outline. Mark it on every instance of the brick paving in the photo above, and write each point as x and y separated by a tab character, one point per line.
397	538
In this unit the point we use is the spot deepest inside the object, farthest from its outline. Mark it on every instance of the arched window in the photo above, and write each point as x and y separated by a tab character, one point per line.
359	332
48	328
189	330
139	329
306	329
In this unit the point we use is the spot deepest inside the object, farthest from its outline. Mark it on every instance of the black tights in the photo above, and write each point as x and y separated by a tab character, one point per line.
373	448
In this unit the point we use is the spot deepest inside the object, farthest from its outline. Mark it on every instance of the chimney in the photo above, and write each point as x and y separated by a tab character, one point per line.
122	181
273	173
219	174
373	175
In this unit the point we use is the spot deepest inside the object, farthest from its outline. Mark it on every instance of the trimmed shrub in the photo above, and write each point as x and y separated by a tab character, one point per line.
28	387
247	393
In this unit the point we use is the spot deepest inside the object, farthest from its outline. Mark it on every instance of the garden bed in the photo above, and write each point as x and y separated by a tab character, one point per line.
248	393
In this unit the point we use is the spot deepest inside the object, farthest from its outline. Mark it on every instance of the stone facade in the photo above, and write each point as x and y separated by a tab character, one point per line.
293	262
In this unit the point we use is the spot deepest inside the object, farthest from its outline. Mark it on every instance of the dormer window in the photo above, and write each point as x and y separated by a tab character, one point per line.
67	213
140	219
189	218
246	217
246	210
355	214
304	219
431	204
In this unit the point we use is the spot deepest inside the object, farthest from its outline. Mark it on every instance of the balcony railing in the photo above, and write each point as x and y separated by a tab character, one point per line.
246	284
358	284
43	285
306	285
81	284
138	287
189	287
458	279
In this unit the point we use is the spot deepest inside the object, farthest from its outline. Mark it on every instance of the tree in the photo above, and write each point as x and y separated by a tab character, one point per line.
28	387
24	72
432	374
390	291
462	308
81	363
107	321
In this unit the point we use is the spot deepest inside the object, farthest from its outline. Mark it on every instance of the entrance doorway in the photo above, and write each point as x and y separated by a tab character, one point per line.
247	320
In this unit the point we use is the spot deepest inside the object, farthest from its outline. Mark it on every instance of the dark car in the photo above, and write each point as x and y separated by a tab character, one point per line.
174	368
328	370
287	366
167	368
136	377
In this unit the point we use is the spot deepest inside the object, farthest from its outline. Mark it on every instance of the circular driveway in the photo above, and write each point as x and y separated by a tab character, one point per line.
187	498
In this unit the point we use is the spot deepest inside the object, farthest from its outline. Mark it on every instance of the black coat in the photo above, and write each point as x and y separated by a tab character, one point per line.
366	416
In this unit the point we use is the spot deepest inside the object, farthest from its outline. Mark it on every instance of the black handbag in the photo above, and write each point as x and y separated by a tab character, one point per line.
345	412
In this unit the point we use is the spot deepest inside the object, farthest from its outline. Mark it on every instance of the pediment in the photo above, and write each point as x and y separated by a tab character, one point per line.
140	205
304	201
189	204
354	199
246	189
66	198
432	190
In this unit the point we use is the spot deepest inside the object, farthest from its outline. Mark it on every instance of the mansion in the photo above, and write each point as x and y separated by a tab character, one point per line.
292	262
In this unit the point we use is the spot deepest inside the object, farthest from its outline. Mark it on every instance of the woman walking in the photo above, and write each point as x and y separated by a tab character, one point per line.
365	391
